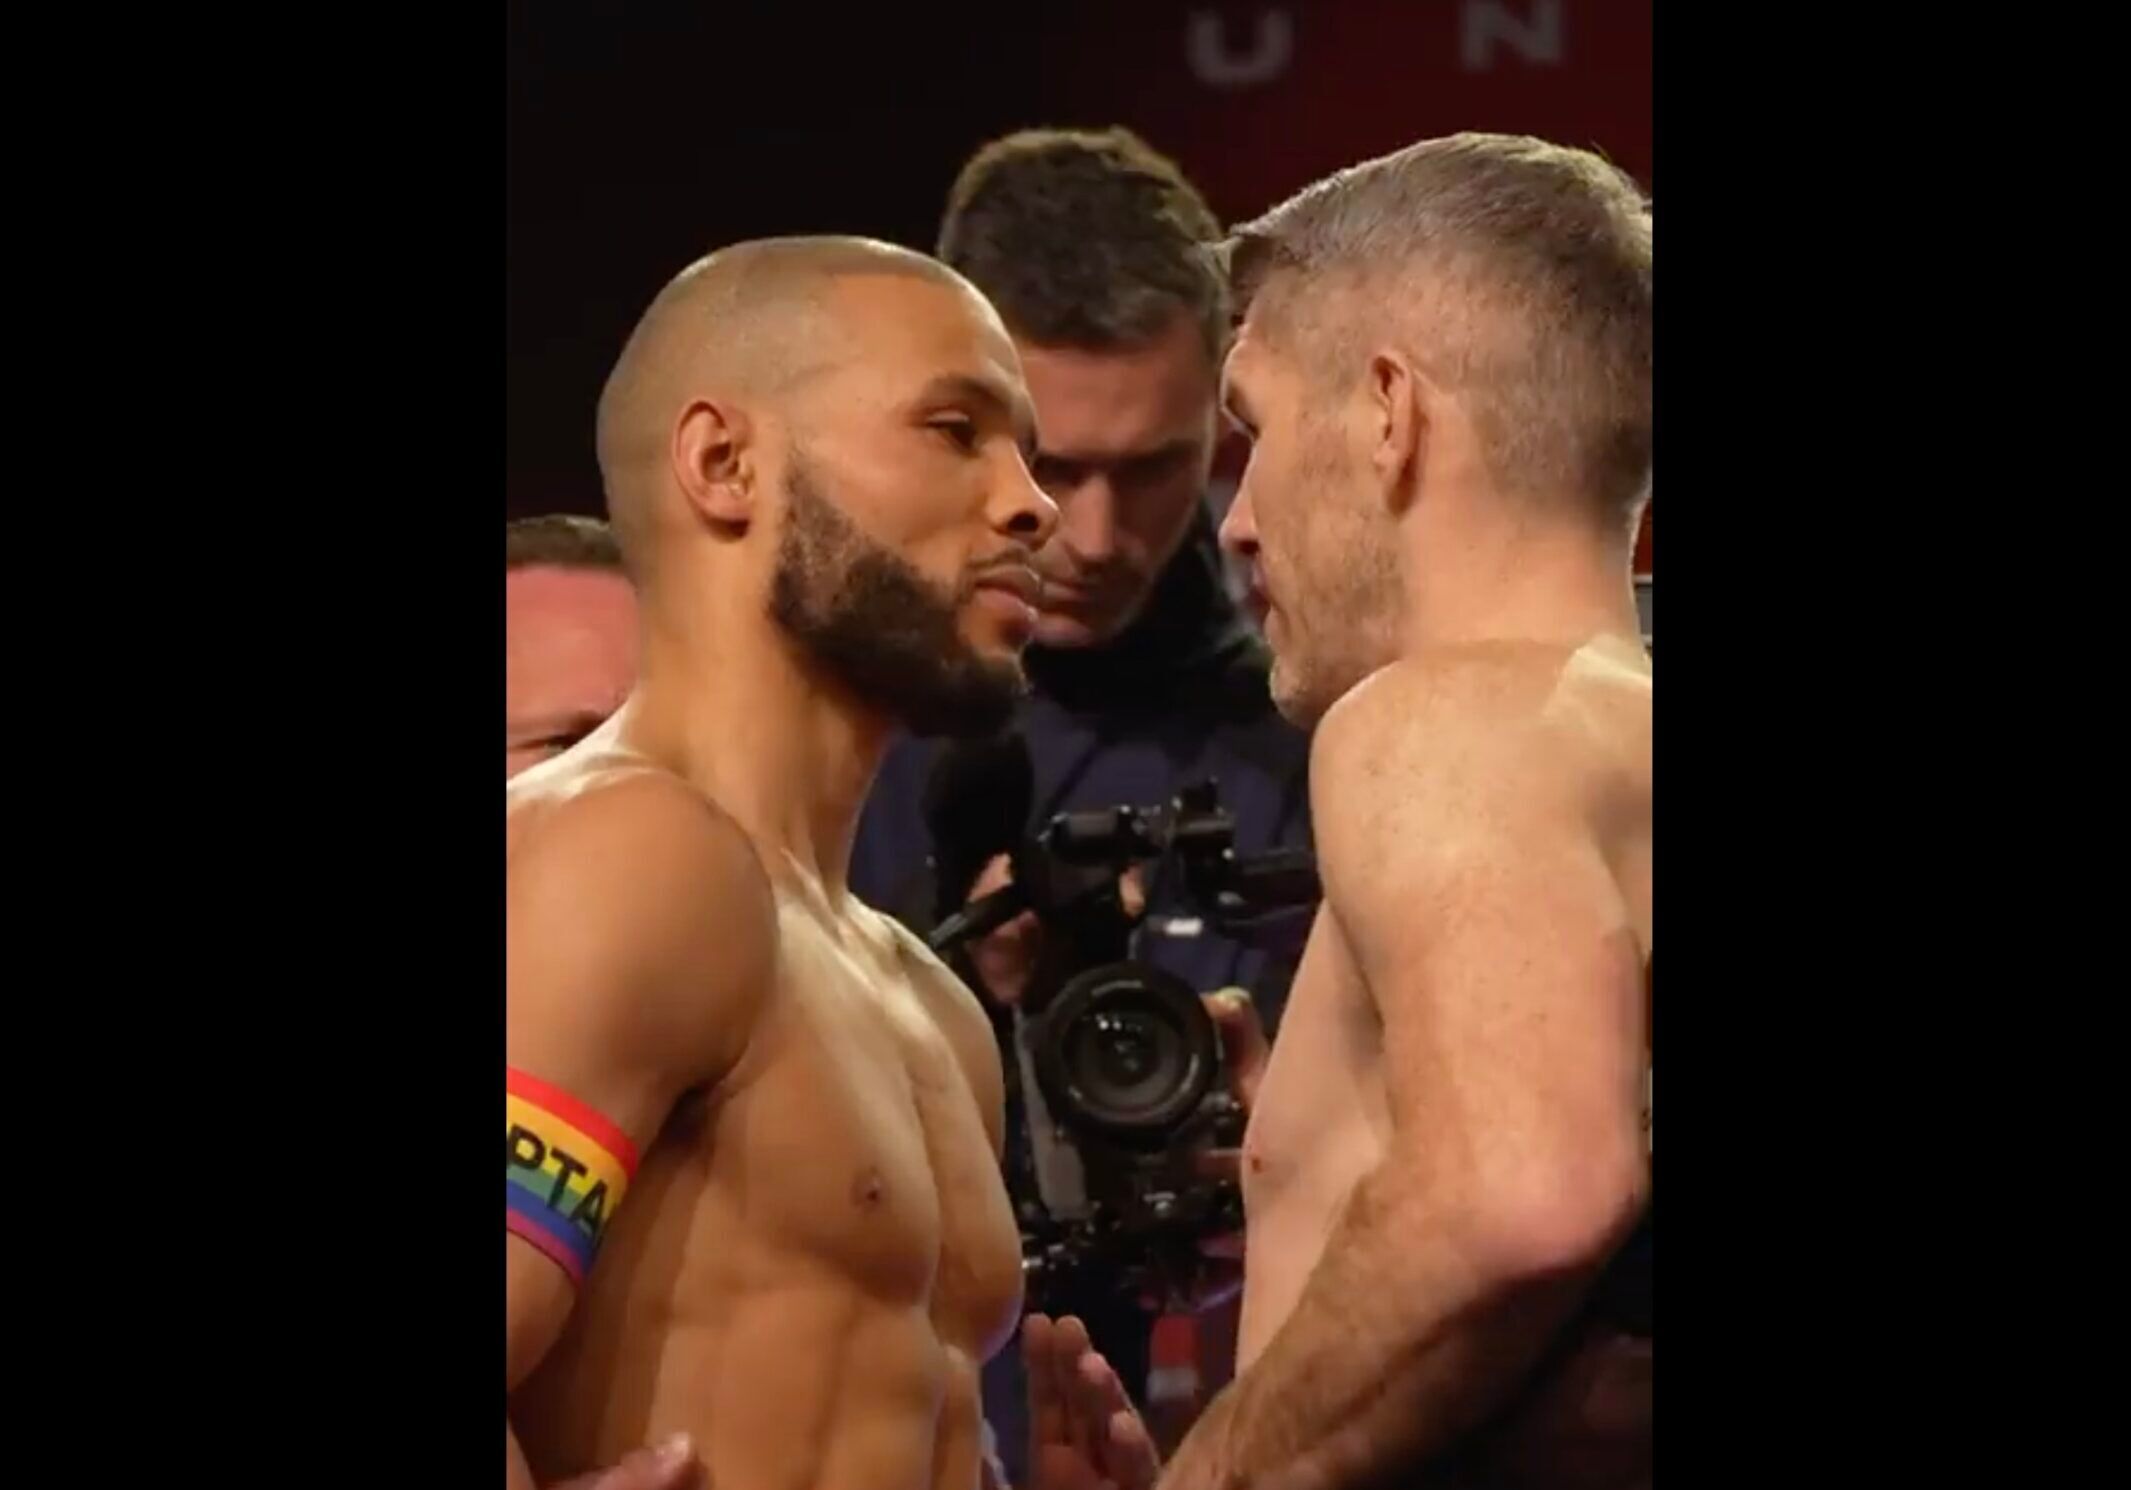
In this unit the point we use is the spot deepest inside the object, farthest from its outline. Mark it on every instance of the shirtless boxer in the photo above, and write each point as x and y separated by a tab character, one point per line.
753	1127
1445	369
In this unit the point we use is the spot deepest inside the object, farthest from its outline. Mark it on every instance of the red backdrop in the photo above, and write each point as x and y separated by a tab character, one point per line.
1256	100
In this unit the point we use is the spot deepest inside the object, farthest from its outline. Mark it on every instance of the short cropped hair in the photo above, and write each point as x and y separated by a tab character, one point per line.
560	541
1516	271
1086	238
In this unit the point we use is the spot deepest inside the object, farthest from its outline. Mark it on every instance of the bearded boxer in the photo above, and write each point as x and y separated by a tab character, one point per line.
752	1127
1444	367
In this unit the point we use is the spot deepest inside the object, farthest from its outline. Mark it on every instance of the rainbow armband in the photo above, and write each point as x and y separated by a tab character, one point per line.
566	1168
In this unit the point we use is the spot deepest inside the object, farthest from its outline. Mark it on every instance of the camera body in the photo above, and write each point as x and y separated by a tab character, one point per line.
1124	1086
1117	1064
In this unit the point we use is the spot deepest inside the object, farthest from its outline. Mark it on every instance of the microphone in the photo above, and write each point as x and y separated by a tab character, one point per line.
976	805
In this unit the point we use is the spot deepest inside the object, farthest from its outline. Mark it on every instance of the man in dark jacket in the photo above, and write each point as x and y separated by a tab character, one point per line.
1147	678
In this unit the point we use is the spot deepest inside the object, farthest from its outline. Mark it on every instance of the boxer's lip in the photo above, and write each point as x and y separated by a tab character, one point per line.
1258	602
1016	581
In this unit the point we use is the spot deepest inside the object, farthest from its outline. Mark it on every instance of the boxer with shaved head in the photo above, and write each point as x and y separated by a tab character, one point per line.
752	1127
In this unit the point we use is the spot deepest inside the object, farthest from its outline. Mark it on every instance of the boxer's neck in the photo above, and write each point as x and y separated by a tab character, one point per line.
1518	579
788	753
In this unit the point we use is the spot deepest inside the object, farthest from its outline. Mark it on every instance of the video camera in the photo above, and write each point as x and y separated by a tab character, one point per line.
1118	1063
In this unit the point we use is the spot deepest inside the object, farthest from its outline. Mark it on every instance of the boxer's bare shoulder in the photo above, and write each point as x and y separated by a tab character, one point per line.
1463	803
1483	817
1487	696
1484	751
1469	1006
626	886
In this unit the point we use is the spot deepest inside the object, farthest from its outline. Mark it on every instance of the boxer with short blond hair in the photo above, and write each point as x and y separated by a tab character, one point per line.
1445	368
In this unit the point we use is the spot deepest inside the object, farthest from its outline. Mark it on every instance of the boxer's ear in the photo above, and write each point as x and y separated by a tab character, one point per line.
714	461
1398	395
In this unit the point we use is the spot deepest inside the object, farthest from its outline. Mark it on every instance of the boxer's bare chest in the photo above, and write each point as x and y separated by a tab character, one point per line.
851	1146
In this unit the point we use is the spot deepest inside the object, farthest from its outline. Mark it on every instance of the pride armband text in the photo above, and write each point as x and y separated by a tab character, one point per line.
566	1169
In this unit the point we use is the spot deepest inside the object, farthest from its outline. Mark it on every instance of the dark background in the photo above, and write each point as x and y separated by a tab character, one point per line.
642	136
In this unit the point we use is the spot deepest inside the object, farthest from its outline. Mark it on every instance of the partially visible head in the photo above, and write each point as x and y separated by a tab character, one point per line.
1097	253
1450	341
832	433
569	635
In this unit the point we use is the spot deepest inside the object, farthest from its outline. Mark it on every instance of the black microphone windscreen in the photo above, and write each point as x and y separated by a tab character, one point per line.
976	804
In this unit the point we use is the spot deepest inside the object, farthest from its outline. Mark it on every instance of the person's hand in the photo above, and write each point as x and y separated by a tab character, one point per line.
671	1465
1244	1050
1083	1432
1004	960
1243	1044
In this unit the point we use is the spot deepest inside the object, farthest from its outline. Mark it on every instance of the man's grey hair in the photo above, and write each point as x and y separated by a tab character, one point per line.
1515	272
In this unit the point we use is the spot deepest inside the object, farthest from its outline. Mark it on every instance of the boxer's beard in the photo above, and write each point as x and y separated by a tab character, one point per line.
879	626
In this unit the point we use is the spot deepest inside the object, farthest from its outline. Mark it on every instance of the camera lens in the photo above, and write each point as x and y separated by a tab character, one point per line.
1127	1050
1125	1059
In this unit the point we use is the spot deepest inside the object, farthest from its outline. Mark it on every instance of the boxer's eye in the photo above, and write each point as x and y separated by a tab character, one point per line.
959	431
